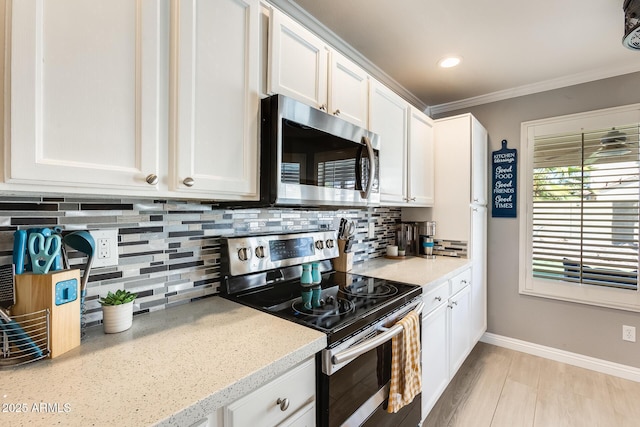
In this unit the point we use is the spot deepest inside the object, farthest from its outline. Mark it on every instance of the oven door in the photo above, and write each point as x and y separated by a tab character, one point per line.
353	386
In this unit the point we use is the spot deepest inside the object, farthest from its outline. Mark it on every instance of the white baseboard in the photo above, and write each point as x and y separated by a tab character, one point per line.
575	359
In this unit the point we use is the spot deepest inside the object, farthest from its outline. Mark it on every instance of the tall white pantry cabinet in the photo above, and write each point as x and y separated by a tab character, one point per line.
460	209
127	97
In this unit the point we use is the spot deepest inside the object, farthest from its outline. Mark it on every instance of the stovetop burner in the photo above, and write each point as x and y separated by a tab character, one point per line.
376	291
350	301
331	307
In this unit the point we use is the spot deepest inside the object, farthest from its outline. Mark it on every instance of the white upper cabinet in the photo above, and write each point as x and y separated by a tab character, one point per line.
304	67
298	62
461	152
349	91
420	160
214	138
93	83
479	163
85	93
388	117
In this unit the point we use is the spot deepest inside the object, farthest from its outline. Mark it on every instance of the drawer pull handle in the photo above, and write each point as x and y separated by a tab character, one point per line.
438	298
284	403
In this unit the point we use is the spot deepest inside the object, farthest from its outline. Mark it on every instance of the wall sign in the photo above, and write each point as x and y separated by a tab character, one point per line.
504	170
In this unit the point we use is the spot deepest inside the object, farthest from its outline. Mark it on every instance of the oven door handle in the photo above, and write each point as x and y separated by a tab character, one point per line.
370	344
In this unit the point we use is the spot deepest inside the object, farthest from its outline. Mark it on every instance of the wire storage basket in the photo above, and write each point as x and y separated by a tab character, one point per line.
24	338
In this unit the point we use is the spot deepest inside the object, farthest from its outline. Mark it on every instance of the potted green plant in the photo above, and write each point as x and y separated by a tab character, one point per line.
117	311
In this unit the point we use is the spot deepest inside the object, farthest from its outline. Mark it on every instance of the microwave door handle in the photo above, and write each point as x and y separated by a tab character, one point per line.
372	171
370	344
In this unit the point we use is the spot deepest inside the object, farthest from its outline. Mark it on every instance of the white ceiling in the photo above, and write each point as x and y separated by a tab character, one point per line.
509	47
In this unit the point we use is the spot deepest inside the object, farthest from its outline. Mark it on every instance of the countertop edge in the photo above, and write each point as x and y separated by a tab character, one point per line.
220	398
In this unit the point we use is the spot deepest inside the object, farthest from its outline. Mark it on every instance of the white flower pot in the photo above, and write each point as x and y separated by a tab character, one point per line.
117	318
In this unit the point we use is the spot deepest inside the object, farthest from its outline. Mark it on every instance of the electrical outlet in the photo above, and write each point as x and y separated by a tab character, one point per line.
106	251
372	230
629	333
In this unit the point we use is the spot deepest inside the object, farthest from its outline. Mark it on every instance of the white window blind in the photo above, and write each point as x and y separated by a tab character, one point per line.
585	207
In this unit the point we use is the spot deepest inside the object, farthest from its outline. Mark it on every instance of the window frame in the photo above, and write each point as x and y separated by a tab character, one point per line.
622	299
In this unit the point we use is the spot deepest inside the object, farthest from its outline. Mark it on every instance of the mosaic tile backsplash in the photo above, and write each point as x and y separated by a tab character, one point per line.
169	251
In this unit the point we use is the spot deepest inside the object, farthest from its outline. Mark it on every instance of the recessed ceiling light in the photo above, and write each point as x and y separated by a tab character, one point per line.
449	61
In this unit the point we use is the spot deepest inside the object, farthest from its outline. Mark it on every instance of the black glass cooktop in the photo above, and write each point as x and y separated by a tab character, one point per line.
347	303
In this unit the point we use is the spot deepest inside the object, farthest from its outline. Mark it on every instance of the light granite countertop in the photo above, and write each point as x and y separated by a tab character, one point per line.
173	367
427	273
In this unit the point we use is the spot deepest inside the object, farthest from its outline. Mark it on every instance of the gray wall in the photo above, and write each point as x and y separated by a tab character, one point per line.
578	328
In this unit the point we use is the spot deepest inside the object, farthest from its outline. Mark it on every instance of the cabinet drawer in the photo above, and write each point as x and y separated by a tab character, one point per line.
435	297
260	407
460	281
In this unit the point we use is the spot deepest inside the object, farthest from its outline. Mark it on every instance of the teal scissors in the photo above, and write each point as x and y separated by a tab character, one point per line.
43	250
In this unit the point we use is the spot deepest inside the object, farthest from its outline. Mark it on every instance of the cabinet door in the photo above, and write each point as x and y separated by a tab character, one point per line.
420	159
214	137
388	118
435	356
478	273
459	329
298	62
85	92
453	189
348	91
479	163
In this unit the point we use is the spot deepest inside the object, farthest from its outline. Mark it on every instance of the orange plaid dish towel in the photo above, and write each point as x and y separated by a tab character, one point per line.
406	375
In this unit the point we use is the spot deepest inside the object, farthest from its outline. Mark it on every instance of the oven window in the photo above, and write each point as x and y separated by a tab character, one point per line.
316	158
349	388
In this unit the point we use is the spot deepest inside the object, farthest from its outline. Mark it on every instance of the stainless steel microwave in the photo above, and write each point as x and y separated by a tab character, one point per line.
311	158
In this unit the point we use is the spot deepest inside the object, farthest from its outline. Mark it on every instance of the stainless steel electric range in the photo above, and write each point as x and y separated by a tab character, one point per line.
356	312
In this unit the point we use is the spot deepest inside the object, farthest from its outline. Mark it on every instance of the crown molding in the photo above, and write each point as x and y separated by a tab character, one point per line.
303	17
544	86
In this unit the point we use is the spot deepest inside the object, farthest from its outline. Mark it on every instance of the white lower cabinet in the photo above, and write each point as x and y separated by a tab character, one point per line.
288	400
459	329
446	336
435	352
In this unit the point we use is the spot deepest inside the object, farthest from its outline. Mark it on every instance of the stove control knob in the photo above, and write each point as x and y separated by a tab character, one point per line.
244	254
319	244
330	243
260	252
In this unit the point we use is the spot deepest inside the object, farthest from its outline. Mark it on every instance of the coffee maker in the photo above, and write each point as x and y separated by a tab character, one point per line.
426	232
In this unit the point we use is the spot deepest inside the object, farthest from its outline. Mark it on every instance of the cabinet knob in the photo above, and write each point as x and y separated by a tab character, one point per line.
450	306
152	179
454	303
188	181
438	298
284	403
337	112
323	107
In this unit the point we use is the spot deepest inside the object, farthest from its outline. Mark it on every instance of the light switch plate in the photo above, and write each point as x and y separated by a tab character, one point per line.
106	252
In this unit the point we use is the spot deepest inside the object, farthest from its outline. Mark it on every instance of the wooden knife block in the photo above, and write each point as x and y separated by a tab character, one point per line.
344	261
36	292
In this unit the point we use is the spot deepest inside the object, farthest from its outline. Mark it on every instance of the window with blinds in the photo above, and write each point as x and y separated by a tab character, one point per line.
585	208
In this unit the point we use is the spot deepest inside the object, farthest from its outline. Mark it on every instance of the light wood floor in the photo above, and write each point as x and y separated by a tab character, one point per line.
497	387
